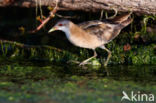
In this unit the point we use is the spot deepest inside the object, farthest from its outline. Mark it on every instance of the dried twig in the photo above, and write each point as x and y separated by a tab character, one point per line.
28	46
101	16
51	15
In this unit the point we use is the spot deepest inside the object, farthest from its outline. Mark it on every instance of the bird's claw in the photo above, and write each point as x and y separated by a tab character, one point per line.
83	63
77	62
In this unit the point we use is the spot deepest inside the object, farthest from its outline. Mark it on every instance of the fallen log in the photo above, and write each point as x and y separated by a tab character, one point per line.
137	6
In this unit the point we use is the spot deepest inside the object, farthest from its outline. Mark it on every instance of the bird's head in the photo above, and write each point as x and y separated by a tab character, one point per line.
62	25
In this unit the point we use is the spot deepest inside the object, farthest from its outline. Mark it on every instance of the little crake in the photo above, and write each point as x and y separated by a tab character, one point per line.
93	34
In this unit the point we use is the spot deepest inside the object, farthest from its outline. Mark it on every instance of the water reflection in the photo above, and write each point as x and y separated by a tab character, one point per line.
142	73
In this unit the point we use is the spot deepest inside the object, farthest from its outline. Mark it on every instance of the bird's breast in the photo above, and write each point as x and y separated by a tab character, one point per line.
84	40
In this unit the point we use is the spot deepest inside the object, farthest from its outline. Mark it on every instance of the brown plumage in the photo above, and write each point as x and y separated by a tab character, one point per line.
107	30
93	34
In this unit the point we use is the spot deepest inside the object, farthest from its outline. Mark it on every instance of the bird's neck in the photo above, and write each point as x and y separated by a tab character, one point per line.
73	31
67	32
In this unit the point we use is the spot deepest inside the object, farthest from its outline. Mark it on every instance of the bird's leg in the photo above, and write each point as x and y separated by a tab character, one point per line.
85	61
109	54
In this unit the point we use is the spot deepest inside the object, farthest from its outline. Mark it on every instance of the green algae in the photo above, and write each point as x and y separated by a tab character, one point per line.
30	82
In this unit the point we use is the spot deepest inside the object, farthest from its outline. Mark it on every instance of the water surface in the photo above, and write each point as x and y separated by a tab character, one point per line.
29	82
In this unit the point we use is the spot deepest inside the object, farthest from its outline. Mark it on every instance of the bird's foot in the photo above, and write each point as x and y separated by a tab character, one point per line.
77	62
83	63
106	63
73	61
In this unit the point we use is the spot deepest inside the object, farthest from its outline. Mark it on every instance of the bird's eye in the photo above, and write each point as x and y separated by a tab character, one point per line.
60	24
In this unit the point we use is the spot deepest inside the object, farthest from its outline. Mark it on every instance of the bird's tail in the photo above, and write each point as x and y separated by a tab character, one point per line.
122	20
125	23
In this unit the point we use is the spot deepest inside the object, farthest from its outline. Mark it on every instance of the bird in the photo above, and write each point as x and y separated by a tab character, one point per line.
93	34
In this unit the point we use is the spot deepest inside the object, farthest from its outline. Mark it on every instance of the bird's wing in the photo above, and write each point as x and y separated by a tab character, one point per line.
106	30
89	24
103	30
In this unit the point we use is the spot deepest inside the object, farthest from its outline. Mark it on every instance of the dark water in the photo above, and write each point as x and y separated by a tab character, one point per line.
64	83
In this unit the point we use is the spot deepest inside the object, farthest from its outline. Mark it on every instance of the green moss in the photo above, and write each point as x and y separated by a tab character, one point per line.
137	55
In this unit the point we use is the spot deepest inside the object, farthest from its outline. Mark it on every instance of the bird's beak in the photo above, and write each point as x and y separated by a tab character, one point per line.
52	29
